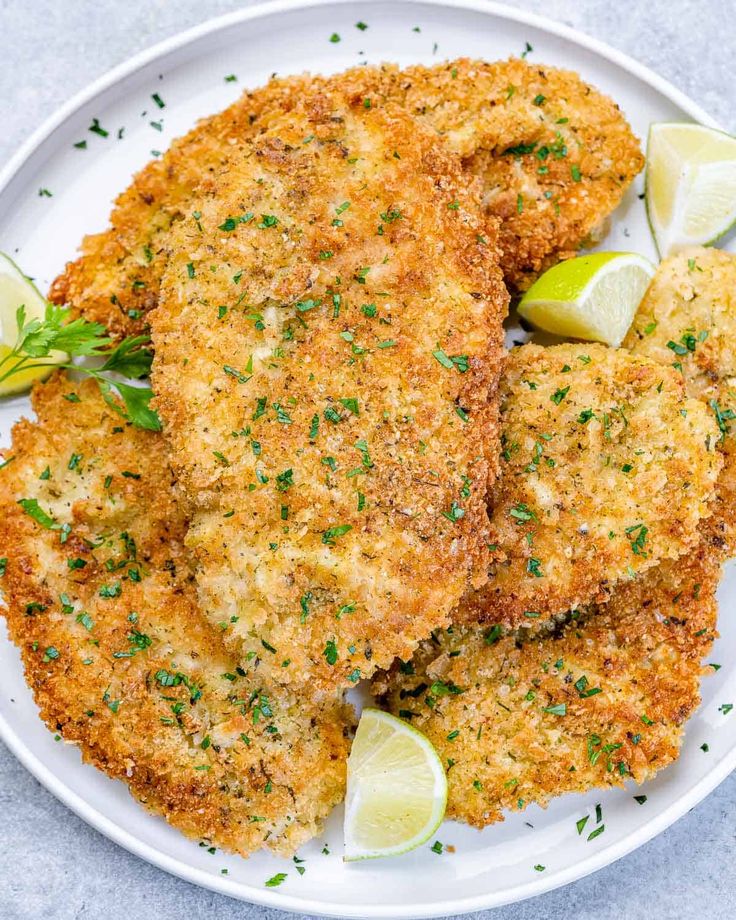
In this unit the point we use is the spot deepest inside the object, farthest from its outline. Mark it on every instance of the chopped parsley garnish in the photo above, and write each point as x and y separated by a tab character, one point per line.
276	880
230	223
584	691
521	513
34	510
451	361
330	535
96	128
235	373
520	150
330	652
722	416
637	535
559	709
534	567
455	513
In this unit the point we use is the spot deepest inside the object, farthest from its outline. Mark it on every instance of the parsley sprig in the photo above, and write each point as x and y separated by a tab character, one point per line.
79	338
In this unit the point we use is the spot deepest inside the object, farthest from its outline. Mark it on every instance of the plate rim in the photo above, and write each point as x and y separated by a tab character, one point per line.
222	885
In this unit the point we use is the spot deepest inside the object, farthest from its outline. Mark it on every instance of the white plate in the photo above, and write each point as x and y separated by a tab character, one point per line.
488	868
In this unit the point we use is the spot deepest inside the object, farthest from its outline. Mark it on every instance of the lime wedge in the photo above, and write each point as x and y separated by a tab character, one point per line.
17	290
690	185
397	788
592	297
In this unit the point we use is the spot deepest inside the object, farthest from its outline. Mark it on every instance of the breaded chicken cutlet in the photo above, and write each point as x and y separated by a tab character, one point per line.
327	348
604	696
688	320
601	700
607	470
101	602
554	156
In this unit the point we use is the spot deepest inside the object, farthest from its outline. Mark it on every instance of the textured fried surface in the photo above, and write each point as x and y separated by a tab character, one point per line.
119	658
334	454
688	319
643	649
554	155
602	700
607	469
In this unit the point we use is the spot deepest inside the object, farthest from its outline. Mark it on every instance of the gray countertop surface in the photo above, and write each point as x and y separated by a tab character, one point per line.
53	865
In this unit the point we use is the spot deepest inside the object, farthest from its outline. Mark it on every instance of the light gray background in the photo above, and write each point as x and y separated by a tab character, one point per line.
52	865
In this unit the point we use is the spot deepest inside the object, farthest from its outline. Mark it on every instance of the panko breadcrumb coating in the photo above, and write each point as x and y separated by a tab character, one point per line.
327	349
607	469
601	700
688	320
101	602
603	697
554	155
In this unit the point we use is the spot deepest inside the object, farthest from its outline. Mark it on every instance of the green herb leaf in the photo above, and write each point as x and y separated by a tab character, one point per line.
34	510
276	880
137	403
560	709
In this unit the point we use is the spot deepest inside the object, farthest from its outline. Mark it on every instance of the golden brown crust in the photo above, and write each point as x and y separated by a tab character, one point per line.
607	469
601	700
554	155
688	320
643	649
328	345
119	658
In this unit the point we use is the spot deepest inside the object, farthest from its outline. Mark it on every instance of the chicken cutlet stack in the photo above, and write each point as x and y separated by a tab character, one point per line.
553	154
599	695
322	268
329	343
121	660
599	699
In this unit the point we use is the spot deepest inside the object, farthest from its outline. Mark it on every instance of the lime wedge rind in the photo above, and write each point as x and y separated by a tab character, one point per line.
394	803
593	297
